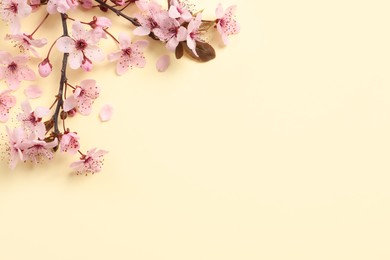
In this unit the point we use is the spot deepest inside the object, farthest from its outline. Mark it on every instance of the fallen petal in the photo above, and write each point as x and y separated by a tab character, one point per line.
163	63
33	91
106	113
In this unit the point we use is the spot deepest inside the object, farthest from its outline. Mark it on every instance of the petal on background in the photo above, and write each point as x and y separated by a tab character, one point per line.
163	63
33	91
105	113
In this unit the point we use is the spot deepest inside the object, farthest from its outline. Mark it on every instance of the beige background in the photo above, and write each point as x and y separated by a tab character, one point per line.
278	149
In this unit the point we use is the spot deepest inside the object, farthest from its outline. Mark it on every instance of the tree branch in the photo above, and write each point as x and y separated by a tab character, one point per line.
62	80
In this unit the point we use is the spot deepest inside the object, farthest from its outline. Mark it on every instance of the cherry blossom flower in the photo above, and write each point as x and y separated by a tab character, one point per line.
83	97
92	162
193	33
60	6
226	23
15	69
163	63
178	9
11	11
26	42
170	31
7	101
70	142
130	54
38	150
83	44
17	139
32	120
148	18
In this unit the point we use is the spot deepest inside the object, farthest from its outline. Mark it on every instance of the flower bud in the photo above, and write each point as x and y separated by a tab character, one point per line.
45	68
86	64
100	21
87	4
72	112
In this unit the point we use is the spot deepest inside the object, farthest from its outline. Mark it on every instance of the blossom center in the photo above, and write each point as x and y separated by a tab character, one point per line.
153	23
13	8
174	30
12	66
127	51
222	22
81	45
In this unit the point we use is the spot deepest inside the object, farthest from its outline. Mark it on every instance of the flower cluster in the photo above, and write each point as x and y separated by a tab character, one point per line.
42	131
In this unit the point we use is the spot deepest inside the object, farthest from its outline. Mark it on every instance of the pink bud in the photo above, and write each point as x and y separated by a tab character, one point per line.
45	68
87	4
86	64
72	112
35	4
118	2
101	21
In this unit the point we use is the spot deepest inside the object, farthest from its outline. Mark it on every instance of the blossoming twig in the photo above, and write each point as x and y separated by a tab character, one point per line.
180	28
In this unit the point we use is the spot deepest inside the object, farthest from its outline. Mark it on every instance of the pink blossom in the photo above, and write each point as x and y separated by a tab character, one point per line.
92	162
70	142
193	33
170	31
83	97
17	141
130	54
33	91
38	150
179	10
32	120
26	42
15	69
60	6
11	11
163	63
83	44
7	101
226	23
45	68
148	18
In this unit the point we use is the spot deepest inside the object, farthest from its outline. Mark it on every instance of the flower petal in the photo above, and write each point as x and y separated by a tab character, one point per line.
141	31
41	112
106	113
65	44
163	63
124	40
94	53
75	59
33	91
70	103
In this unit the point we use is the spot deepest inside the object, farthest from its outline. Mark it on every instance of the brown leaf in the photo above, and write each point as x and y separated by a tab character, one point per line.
205	25
205	51
179	51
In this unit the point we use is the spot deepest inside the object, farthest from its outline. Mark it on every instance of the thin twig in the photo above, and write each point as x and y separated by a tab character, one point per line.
62	80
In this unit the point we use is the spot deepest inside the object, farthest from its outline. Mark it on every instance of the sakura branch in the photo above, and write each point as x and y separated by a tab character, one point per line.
43	131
